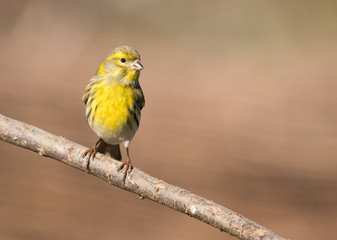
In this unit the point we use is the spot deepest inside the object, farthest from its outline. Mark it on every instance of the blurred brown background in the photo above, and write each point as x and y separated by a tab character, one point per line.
240	108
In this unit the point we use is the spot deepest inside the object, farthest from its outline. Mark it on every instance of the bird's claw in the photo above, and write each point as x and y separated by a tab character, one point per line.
127	168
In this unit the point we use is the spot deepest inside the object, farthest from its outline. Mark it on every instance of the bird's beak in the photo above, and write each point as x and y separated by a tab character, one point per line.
136	65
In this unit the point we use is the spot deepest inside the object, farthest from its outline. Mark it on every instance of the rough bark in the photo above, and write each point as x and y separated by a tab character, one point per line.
138	182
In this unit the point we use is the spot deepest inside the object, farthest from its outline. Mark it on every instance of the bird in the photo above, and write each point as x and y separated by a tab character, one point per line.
114	100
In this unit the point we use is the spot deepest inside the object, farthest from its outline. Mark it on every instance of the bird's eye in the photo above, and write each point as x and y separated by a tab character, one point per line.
123	60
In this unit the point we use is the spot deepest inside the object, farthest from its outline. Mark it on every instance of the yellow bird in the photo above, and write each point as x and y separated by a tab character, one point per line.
114	100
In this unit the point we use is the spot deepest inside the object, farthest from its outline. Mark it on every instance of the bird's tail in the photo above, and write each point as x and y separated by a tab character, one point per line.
110	150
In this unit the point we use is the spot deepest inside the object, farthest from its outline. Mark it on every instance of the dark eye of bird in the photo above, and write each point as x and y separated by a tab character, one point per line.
123	60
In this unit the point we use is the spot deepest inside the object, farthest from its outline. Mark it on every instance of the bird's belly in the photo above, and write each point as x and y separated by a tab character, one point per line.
114	135
114	120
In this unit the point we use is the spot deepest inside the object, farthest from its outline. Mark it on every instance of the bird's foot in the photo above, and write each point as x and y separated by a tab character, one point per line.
127	168
91	152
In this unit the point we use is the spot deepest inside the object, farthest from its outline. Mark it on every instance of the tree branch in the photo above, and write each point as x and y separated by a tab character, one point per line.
138	182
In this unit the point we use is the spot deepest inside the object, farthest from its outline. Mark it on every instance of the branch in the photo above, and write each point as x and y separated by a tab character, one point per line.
138	182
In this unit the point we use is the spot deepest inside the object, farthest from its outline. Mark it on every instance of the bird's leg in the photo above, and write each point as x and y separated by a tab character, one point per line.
127	164
92	153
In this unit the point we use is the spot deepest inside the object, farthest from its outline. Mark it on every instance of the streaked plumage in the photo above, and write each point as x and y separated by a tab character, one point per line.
114	99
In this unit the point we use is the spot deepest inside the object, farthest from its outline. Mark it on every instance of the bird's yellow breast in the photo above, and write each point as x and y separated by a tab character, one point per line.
112	111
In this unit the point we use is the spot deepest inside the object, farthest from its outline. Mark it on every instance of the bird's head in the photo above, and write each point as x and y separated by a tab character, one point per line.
123	64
